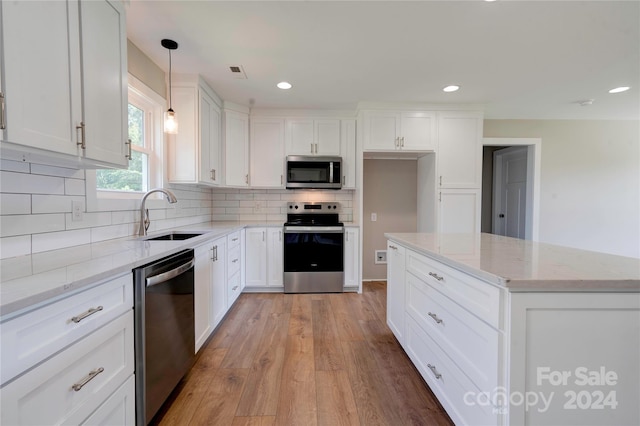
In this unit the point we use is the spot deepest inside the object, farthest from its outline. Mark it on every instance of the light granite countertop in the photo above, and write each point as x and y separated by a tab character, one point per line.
521	265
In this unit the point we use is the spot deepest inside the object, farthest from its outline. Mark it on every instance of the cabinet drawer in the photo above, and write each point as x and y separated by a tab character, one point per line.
233	289
470	343
478	297
95	366
233	261
454	390
233	239
119	409
36	335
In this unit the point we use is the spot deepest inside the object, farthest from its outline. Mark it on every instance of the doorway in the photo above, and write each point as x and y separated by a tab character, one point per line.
511	187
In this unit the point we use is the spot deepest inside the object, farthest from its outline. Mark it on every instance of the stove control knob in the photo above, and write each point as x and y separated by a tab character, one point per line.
296	207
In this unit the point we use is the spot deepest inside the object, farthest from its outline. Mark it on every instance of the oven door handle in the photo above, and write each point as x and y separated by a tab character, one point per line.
313	229
166	276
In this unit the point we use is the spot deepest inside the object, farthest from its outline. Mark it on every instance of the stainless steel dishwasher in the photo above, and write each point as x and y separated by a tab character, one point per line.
164	333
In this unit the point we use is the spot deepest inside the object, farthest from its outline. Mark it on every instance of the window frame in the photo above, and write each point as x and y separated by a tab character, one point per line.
143	97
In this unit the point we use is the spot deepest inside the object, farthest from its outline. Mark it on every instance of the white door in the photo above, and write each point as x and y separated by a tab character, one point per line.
219	282
300	139
417	131
236	148
104	80
275	257
510	191
256	257
327	137
459	210
396	289
459	150
348	152
266	149
202	294
209	140
381	130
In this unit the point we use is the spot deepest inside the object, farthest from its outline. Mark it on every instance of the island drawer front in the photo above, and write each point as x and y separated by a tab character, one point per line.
233	239
468	341
38	334
454	390
233	261
46	394
478	297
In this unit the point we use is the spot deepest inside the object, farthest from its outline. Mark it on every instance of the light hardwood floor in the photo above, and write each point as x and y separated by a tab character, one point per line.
304	359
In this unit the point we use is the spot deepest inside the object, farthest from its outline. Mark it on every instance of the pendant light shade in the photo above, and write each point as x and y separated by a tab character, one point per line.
170	117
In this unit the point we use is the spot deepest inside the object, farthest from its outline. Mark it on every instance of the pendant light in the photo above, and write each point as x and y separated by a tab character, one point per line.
170	118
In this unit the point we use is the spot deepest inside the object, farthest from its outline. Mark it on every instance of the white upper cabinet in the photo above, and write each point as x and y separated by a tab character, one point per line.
194	153
459	149
236	148
65	81
399	131
348	153
308	136
266	151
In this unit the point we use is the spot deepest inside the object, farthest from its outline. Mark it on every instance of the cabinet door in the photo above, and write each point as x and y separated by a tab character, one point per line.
381	130
219	282
275	256
396	289
327	137
202	294
267	152
183	147
459	210
236	148
41	75
459	150
256	257
417	131
348	153
300	136
209	140
351	258
104	80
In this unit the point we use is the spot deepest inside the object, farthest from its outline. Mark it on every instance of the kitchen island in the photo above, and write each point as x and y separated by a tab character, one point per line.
507	331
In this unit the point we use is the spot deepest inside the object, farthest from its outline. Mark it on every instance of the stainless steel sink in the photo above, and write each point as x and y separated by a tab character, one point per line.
173	236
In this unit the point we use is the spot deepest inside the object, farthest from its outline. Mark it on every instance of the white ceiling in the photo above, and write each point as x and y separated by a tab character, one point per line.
520	59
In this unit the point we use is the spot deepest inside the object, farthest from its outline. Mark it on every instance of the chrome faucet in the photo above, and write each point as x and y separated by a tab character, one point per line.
144	213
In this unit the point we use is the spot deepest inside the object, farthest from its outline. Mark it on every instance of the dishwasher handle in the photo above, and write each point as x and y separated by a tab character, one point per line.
166	276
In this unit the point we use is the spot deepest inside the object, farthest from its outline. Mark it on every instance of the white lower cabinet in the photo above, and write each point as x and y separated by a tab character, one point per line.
396	289
219	281
234	261
119	409
68	387
264	250
202	289
351	258
459	211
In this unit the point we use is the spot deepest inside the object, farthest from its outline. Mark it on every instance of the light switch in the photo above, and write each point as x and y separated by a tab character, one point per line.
374	217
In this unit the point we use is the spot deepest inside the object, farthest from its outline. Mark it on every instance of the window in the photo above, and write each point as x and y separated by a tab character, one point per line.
141	165
106	186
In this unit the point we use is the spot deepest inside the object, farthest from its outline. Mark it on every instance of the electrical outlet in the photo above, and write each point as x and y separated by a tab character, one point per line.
381	257
76	211
374	217
257	207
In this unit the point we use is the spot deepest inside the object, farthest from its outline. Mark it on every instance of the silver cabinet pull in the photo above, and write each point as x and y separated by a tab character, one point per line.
393	247
234	239
92	374
344	180
234	261
402	142
83	315
81	141
435	317
311	148
3	119
440	180
234	288
434	371
281	180
128	143
397	141
436	276
246	179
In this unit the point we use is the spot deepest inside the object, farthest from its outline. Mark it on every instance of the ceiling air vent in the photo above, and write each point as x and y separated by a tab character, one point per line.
237	71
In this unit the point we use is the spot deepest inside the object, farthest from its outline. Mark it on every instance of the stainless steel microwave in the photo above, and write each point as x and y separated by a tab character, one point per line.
314	172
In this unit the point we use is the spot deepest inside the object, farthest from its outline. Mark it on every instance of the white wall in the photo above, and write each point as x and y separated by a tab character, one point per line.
589	181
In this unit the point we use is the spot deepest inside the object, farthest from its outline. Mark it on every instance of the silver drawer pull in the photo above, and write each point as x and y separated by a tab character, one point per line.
234	239
86	314
436	276
434	371
234	288
393	247
76	387
435	317
234	260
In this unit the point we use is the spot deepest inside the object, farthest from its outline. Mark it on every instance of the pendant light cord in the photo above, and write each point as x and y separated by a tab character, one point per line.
170	88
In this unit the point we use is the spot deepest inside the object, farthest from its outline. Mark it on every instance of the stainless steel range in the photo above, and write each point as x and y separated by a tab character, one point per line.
313	248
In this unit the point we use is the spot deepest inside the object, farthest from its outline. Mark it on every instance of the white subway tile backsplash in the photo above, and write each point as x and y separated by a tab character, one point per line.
31	224
74	187
15	246
57	240
102	233
23	183
54	203
15	204
89	220
14	166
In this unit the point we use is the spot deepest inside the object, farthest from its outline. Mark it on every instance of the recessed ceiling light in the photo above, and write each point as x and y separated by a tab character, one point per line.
489	1
619	89
451	88
284	85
